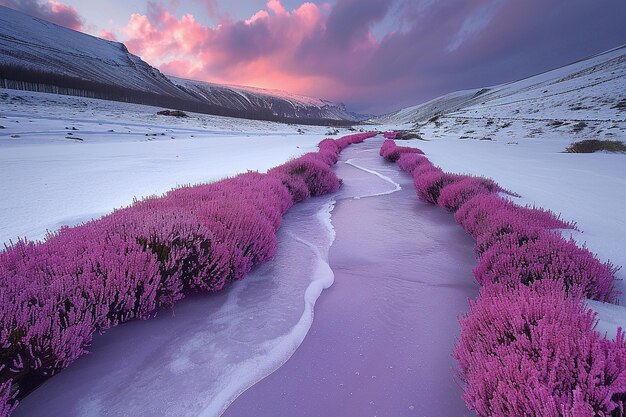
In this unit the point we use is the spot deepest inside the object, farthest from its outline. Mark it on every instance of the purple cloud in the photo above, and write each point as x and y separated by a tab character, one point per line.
375	56
50	10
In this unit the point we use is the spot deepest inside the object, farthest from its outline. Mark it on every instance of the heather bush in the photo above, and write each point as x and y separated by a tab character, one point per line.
477	214
506	226
295	185
423	169
408	162
317	175
549	257
55	294
452	196
528	346
533	351
392	135
429	183
343	142
391	152
329	150
387	147
7	404
489	218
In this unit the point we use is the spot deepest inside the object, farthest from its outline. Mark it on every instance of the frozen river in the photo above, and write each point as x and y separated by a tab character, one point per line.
382	338
380	343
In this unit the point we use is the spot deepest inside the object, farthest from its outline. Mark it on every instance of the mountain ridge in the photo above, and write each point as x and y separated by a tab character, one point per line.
589	84
37	55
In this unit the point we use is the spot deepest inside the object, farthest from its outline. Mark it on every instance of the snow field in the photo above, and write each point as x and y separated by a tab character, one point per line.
52	179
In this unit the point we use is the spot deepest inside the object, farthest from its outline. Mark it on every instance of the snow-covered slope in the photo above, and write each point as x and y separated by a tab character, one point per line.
591	89
40	56
32	44
278	103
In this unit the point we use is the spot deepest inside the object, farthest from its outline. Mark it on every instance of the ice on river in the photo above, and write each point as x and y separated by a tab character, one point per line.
191	361
380	344
383	334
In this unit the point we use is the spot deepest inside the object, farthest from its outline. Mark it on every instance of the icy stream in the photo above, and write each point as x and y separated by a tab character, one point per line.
379	346
193	360
383	334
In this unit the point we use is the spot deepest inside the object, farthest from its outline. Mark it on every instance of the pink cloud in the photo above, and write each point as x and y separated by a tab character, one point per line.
108	35
276	7
50	10
258	51
160	37
329	50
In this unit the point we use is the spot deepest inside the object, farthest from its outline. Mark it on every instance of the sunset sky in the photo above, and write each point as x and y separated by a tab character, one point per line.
373	55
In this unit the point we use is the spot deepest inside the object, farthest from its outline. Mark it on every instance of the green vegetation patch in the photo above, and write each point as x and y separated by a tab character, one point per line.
594	145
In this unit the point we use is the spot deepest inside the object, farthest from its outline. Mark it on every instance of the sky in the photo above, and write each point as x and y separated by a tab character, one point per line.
375	56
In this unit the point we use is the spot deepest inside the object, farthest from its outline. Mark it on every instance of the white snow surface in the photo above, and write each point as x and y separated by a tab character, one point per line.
54	175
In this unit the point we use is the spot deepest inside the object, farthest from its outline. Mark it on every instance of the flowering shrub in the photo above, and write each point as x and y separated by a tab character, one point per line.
429	184
409	162
453	195
329	151
343	142
392	135
533	351
487	217
547	257
528	346
55	294
7	401
314	172
391	152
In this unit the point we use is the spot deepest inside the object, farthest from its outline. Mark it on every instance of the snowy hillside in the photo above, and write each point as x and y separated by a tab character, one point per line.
250	99
590	90
32	44
40	56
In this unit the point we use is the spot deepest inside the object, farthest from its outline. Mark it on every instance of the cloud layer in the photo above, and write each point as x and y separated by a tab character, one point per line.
50	10
374	55
429	48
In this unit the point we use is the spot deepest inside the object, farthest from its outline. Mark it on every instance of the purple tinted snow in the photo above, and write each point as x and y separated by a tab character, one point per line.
55	294
528	346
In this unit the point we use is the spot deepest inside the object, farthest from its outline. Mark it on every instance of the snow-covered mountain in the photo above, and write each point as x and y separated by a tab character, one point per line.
251	99
31	45
588	90
38	55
